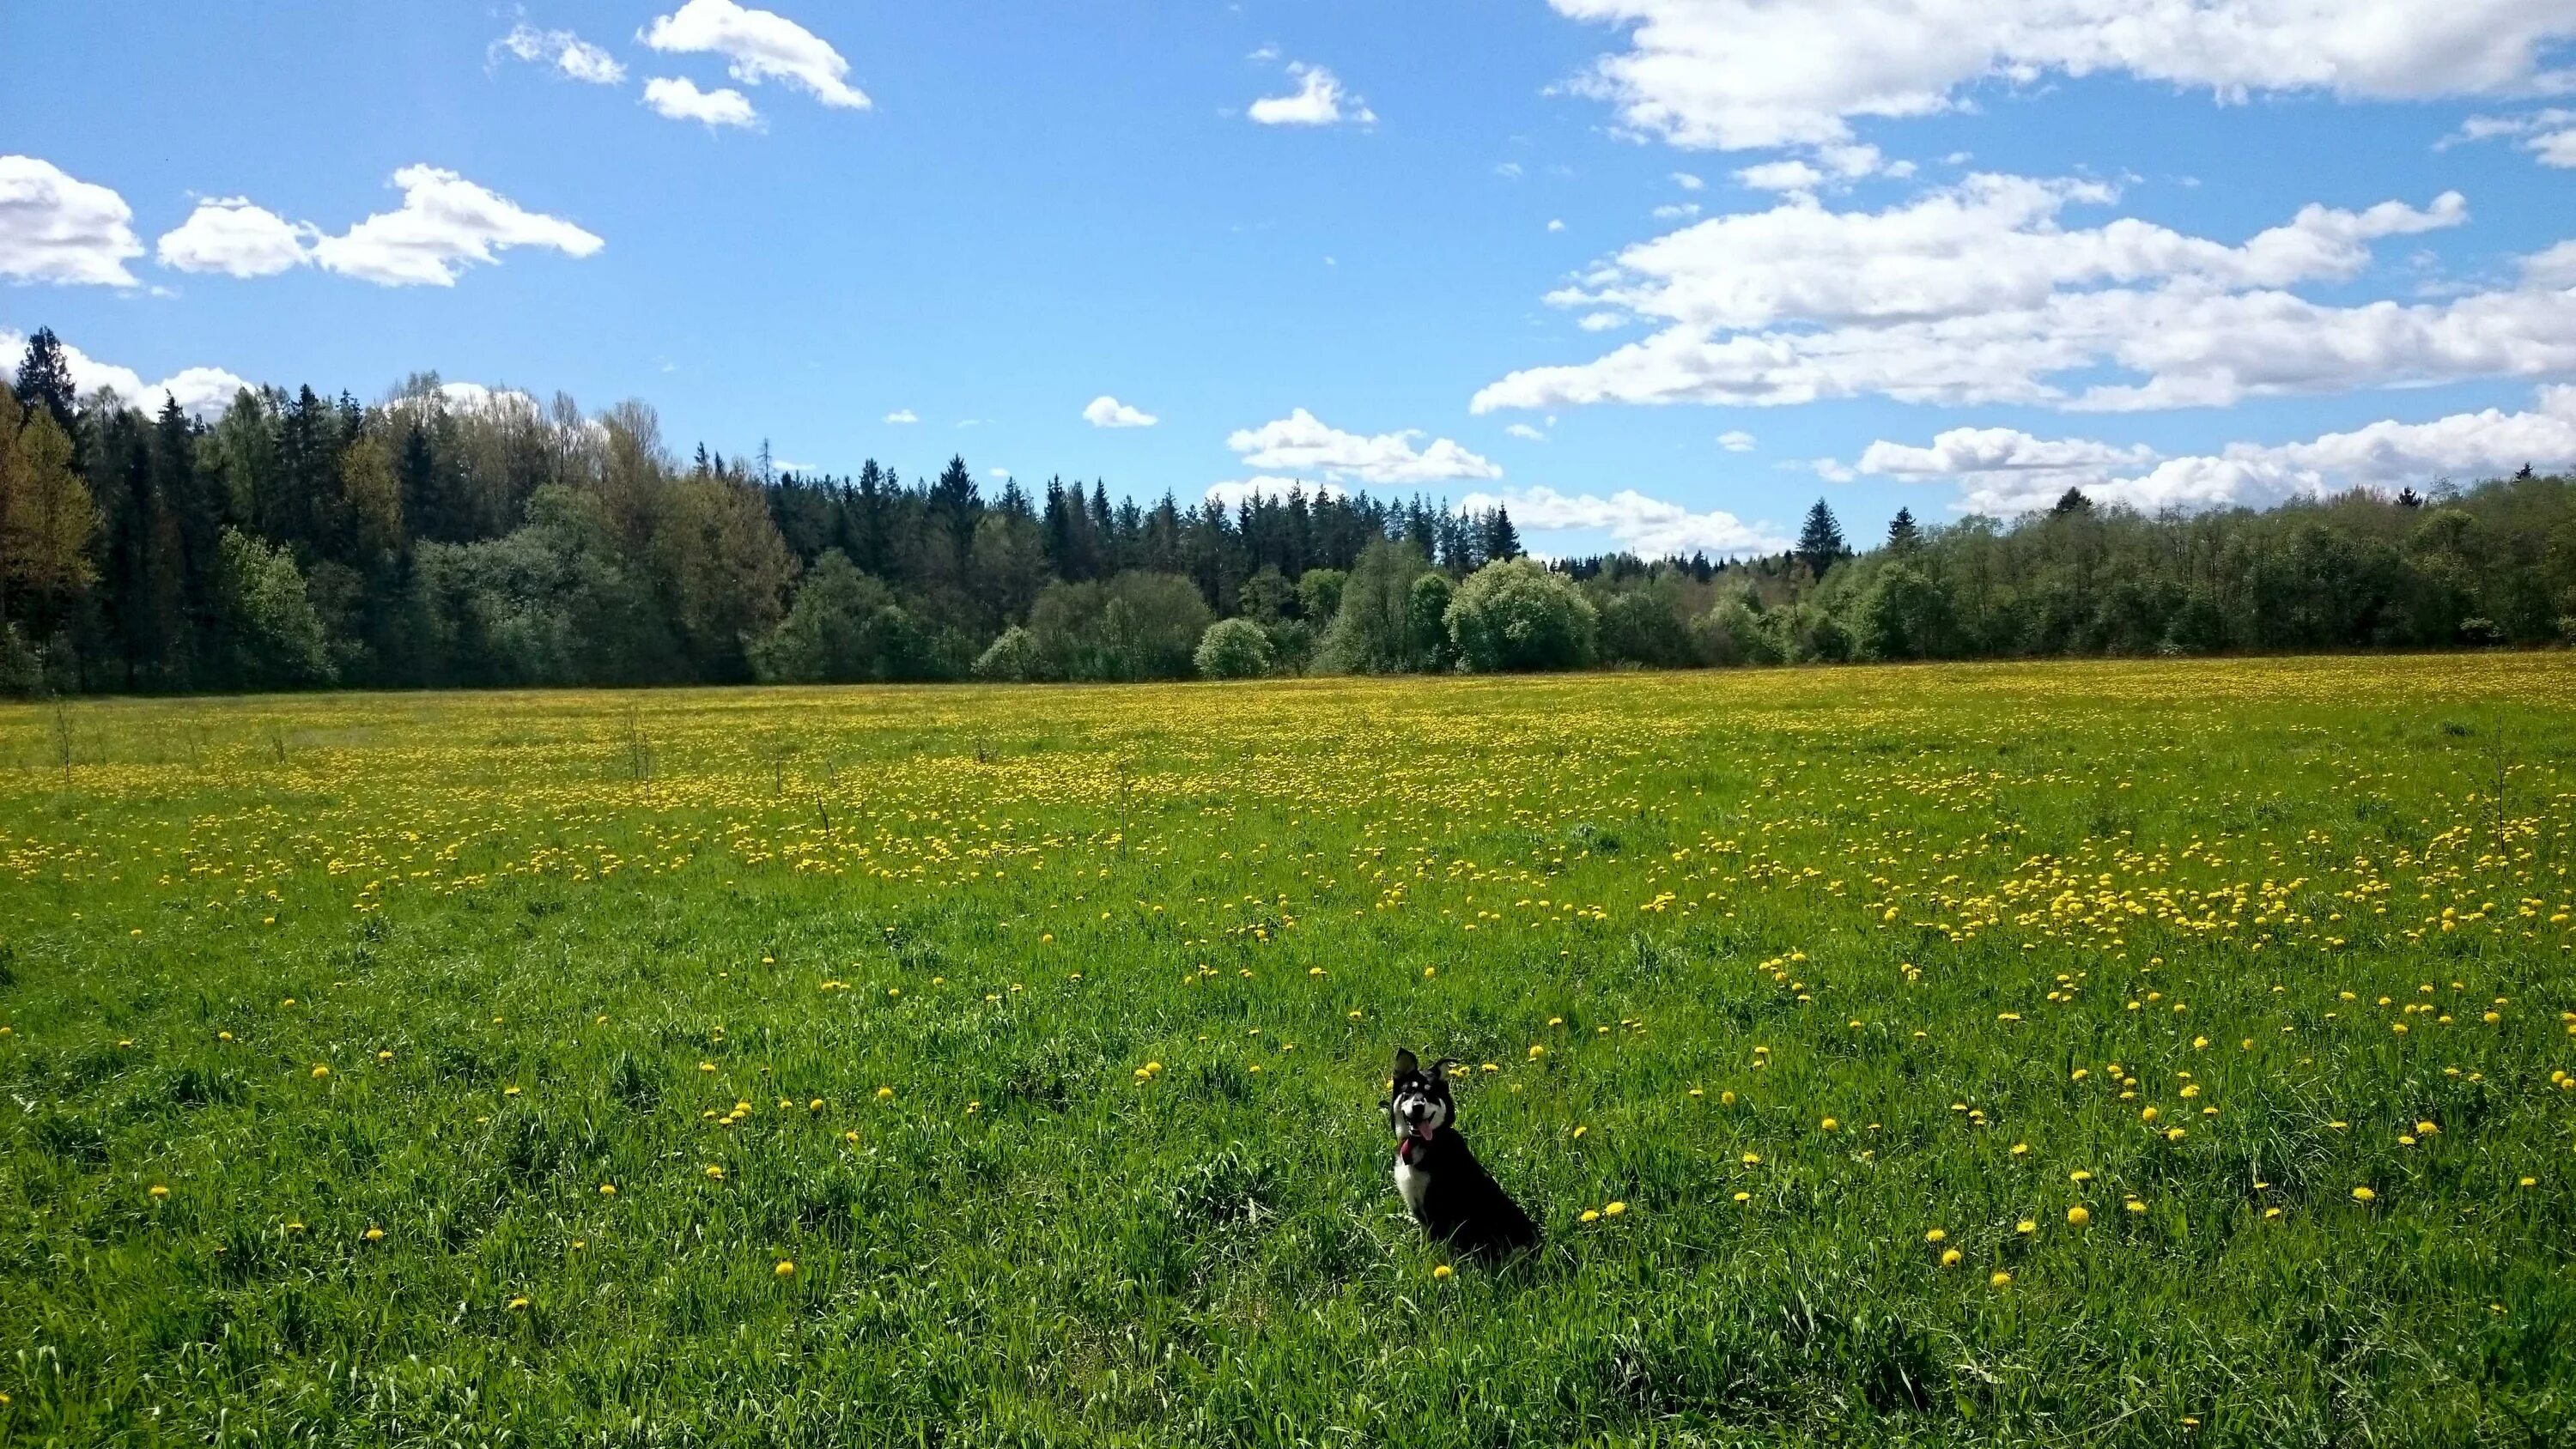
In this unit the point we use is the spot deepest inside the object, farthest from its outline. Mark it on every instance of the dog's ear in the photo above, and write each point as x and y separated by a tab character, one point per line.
1405	1061
1441	1067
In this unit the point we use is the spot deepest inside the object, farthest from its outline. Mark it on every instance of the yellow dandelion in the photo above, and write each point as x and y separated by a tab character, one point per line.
1443	1272
2078	1215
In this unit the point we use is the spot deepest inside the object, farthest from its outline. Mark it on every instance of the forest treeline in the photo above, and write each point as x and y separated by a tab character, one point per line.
444	537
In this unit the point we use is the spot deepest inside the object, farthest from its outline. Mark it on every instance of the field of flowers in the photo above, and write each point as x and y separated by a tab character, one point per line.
2064	1054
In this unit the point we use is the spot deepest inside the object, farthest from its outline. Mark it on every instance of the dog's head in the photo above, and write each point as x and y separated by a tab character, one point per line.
1420	1104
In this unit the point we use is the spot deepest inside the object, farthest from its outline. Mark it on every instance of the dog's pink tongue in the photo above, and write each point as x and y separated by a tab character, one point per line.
1423	1131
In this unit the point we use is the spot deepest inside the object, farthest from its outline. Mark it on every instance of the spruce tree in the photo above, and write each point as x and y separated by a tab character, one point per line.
1902	535
1820	542
45	380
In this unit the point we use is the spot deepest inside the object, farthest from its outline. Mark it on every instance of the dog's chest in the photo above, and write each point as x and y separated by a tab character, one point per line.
1414	1183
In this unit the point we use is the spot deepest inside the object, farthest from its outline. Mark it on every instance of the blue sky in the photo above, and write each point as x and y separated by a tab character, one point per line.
1937	253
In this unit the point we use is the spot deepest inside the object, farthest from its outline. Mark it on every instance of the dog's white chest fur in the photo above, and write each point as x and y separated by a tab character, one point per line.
1413	1182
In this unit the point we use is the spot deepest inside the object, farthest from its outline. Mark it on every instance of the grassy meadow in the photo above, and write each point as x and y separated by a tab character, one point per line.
2155	1053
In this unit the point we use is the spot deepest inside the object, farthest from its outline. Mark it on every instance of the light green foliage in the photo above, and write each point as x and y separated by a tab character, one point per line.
1517	615
1043	1031
1234	649
275	637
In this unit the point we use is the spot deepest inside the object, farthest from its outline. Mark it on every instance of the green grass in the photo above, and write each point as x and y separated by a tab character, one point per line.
548	942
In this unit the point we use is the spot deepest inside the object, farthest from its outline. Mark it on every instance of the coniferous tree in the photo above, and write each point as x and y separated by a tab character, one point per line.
45	381
1820	540
1902	535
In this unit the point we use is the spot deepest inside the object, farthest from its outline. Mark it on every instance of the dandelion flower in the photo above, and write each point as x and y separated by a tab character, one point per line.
1950	1257
1744	1197
608	1189
1829	1124
2025	1227
884	1093
1935	1236
159	1191
375	1235
786	1268
1613	1209
1443	1272
2363	1194
2078	1215
2001	1279
1589	1216
320	1070
518	1303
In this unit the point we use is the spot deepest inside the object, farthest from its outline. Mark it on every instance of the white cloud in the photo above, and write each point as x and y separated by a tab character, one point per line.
1526	433
444	224
1301	442
1555	224
1317	101
678	98
202	392
1739	74
1781	176
902	415
1650	527
570	55
1509	170
1674	210
1978	293
2555	267
2000	470
55	228
760	45
232	236
1735	440
2549	135
1105	411
1687	181
1602	321
1234	492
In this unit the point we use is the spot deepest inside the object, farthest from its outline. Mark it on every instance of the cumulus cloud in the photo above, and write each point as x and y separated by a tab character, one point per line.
1235	492
56	228
1979	292
1742	74
1105	411
2001	470
1301	442
758	45
1735	440
1319	100
231	236
202	392
1650	527
902	415
1526	433
571	56
445	223
678	98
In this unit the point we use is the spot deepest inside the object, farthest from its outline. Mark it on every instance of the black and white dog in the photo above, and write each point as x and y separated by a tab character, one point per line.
1446	1187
